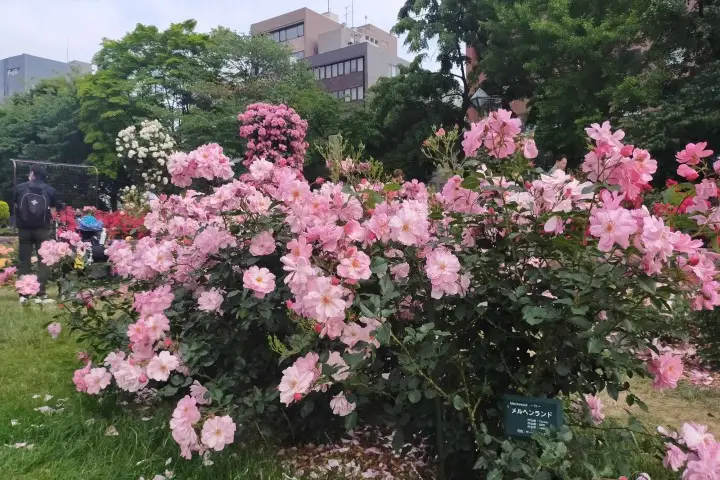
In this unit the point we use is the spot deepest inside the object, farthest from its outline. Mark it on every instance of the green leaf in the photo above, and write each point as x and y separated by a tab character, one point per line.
595	345
351	421
307	408
378	266
353	359
647	284
495	474
382	334
471	183
392	187
459	403
414	396
562	369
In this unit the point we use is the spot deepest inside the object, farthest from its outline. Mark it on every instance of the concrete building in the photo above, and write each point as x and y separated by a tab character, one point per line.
346	60
20	73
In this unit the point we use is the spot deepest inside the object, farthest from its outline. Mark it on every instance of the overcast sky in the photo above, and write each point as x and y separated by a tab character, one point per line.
47	28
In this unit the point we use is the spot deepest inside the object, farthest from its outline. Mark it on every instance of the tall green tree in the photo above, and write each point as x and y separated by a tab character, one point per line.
42	125
685	106
402	112
145	74
246	69
451	25
571	58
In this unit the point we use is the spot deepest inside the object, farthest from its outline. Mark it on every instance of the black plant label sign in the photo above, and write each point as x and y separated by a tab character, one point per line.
525	416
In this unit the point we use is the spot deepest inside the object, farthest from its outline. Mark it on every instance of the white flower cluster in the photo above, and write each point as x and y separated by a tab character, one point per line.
134	201
146	151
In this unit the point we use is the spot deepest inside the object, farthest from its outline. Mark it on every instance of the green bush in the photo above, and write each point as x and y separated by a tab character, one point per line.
4	213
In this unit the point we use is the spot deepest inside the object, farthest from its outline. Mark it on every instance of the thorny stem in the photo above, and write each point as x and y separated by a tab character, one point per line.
418	371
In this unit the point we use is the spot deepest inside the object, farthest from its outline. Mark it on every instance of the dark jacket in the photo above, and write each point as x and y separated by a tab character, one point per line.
24	188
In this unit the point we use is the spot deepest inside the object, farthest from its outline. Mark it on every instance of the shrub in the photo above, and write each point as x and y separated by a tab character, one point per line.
4	213
273	308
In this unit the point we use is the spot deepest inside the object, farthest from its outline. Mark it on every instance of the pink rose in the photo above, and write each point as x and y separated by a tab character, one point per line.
54	329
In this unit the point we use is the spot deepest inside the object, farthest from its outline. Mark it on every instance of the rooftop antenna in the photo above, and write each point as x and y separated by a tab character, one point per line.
346	14
352	6
328	6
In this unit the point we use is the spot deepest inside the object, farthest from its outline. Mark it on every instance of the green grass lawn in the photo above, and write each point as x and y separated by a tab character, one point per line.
72	444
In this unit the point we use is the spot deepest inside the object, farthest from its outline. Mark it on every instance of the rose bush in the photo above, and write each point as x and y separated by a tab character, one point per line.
270	308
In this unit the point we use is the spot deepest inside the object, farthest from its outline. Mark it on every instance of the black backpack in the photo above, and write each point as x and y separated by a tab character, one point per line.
34	211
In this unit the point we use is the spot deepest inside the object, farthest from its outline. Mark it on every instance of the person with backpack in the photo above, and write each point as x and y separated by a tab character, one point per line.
34	200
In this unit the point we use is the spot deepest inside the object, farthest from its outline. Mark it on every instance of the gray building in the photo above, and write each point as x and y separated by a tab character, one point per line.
345	60
20	73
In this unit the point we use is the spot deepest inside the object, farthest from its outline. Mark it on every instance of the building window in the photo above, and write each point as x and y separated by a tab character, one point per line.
288	33
350	94
338	69
394	71
298	55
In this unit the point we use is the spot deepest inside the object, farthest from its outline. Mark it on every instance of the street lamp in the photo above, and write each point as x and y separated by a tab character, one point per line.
484	103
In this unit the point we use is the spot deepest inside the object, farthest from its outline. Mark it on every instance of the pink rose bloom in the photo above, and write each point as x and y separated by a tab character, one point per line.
79	378
554	225
309	363
716	166
356	265
703	465
696	436
27	285
161	365
200	394
687	172
154	301
98	379
530	150
186	411
262	244
54	329
294	384
667	370
130	378
156	325
674	457
343	370
442	269
52	251
612	227
114	360
400	271
693	153
7	273
340	406
595	406
325	300
218	432
260	169
408	227
210	301
259	280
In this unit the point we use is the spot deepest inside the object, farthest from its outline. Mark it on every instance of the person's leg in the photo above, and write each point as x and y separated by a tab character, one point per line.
25	247
39	236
